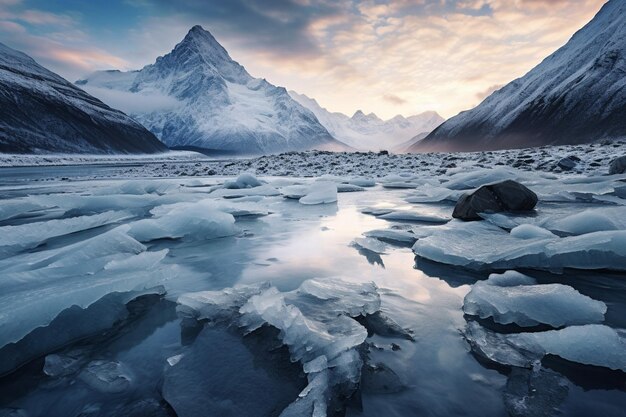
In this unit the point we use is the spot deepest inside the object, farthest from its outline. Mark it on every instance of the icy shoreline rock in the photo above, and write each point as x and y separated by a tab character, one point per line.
507	195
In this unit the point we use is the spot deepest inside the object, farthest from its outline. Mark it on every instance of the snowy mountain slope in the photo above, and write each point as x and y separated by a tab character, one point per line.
369	132
219	106
406	146
42	112
576	95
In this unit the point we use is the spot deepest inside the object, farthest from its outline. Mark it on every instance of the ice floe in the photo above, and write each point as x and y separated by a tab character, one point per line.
480	245
193	221
320	192
591	344
515	298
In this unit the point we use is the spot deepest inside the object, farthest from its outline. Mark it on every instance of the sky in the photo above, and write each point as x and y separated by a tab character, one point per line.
387	57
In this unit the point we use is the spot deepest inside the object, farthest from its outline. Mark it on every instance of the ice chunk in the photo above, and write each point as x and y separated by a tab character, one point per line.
244	180
35	291
108	377
336	296
499	348
30	235
404	237
191	221
142	261
414	216
376	211
362	182
479	177
217	305
83	256
400	184
316	322
591	344
264	190
370	244
480	245
348	188
589	221
529	231
20	208
139	187
320	192
241	207
512	299
63	364
433	194
294	191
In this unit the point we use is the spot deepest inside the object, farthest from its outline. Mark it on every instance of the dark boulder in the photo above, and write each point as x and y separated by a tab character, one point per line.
568	163
618	166
503	196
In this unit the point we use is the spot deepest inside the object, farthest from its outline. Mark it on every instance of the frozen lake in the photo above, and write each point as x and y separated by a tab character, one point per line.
91	273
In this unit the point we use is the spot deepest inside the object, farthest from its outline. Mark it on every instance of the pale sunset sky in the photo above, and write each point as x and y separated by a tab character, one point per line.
388	57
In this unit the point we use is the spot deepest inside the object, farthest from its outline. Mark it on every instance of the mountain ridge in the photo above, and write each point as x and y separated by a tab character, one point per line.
368	131
557	102
41	112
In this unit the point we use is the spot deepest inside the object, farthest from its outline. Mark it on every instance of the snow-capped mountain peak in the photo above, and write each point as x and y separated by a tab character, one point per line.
368	131
220	106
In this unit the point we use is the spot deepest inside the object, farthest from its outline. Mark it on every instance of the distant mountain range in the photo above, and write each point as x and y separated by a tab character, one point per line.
577	94
368	131
209	101
40	112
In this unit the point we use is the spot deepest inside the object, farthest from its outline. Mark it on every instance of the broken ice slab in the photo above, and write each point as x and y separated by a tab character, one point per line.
320	192
526	303
415	216
591	344
370	244
480	245
394	236
317	323
194	221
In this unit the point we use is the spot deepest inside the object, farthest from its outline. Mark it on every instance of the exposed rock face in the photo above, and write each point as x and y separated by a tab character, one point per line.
507	195
40	112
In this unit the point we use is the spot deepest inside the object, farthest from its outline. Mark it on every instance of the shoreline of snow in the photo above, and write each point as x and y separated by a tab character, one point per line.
30	160
592	160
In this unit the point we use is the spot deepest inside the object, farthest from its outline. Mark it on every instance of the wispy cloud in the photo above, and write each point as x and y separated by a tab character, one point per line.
401	56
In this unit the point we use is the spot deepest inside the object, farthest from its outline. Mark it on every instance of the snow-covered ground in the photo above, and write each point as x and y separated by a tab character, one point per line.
334	284
28	160
594	159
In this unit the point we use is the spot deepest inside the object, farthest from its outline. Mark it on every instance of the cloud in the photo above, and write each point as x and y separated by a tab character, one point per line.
486	93
393	99
133	103
384	56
